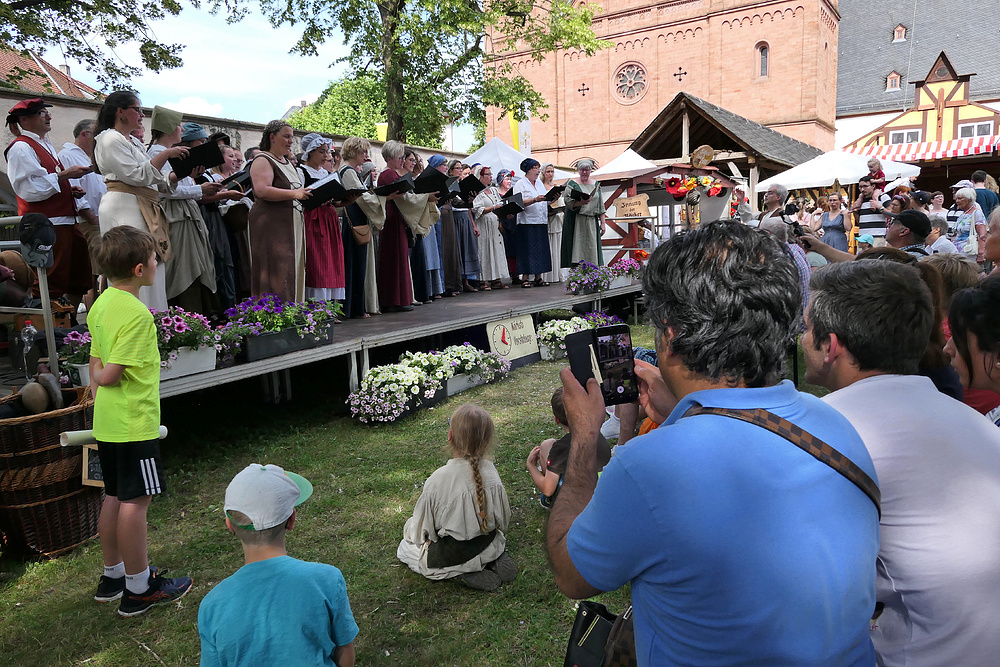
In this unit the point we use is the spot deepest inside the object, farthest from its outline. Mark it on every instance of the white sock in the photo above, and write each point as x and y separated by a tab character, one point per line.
137	583
115	571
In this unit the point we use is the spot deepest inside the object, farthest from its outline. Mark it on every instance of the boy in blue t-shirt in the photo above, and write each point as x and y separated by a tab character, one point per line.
275	609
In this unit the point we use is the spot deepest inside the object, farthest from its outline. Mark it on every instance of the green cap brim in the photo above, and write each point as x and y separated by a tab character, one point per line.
305	487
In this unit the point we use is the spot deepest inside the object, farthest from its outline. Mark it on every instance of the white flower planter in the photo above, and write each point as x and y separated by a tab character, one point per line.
189	362
79	374
460	382
624	281
548	355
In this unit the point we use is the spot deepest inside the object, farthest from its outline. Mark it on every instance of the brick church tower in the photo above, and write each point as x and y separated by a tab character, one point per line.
772	62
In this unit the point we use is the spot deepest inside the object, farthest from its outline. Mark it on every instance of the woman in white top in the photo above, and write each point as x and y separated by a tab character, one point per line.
532	233
134	181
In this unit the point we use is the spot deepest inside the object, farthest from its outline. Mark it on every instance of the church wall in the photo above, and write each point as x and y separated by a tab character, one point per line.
704	47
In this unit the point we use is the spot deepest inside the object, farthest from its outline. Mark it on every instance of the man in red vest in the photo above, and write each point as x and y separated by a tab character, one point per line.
42	186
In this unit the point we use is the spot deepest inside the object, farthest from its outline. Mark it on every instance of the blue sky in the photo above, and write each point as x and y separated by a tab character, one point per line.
241	71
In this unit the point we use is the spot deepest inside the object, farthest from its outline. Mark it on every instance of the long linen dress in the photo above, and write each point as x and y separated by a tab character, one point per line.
582	227
277	238
191	272
324	245
447	507
492	254
355	256
555	245
393	267
123	158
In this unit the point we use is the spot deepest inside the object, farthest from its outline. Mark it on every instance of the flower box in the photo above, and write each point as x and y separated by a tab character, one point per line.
461	382
275	343
550	355
621	281
79	374
190	361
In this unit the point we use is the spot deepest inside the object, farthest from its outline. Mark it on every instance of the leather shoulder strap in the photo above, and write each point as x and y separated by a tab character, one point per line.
805	441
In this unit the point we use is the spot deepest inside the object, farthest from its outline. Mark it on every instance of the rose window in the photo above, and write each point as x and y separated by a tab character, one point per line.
630	82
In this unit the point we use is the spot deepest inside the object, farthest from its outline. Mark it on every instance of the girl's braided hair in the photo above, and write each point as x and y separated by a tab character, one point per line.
471	438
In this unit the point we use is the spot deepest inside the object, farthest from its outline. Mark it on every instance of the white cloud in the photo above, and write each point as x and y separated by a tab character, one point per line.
195	105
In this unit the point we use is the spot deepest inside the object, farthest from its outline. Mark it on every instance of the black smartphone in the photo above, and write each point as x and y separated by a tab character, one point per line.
605	353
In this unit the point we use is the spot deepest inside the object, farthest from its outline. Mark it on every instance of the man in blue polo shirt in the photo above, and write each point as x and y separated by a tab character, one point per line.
741	549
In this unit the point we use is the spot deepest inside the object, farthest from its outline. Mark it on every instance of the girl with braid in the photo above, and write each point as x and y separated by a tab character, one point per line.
456	531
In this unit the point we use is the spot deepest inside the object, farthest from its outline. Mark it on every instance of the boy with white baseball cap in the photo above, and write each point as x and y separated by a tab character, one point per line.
275	609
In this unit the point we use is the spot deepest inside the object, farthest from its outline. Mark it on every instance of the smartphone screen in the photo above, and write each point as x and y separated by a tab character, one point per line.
619	383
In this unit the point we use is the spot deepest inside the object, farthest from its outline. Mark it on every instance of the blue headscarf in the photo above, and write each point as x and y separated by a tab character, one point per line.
527	164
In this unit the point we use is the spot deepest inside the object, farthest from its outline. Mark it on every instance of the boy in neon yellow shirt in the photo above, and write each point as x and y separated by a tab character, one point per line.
125	382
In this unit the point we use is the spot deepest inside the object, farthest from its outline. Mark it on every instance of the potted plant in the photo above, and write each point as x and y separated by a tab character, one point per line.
271	326
186	342
388	393
587	278
472	367
624	272
551	336
75	356
599	319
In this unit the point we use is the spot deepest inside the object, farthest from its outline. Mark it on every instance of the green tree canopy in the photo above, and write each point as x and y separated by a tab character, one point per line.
352	107
444	49
89	32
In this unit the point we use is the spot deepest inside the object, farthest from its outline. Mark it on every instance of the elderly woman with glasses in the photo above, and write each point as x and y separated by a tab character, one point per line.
492	255
324	243
584	219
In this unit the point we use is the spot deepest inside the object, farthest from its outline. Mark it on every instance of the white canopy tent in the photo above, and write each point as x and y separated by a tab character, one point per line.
499	155
843	167
627	165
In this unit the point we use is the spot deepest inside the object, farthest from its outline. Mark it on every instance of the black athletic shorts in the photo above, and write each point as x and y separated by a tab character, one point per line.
131	469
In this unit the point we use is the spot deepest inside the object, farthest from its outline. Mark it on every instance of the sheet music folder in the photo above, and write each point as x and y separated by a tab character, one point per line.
402	185
328	189
207	155
513	204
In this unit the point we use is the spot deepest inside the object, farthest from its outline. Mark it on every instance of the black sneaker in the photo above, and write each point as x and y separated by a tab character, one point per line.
161	589
109	589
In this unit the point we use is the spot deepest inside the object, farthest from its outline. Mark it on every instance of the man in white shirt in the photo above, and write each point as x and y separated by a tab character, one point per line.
774	200
42	185
938	463
80	152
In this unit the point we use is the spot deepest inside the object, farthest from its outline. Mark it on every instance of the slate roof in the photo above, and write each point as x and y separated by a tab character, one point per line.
967	33
44	78
722	130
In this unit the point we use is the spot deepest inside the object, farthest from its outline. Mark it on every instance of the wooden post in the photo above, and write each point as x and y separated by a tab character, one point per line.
686	136
754	176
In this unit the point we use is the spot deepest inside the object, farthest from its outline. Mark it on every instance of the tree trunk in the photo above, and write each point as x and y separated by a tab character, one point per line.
390	11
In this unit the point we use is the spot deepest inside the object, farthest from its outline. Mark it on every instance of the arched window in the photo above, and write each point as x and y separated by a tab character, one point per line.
763	60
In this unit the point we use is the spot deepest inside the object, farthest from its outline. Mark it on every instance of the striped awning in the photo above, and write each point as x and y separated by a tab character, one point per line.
929	150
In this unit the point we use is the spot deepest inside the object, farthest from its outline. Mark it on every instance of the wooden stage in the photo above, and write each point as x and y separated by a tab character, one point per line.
355	338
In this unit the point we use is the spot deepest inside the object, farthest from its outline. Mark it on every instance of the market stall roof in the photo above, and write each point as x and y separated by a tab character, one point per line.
499	155
840	166
729	134
929	150
627	165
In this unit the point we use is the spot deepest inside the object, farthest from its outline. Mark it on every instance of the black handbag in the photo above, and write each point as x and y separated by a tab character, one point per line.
589	637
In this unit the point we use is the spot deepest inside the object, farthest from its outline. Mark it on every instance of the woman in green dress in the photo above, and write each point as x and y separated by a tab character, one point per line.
584	219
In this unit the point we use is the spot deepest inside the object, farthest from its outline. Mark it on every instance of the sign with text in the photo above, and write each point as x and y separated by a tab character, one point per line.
514	340
632	207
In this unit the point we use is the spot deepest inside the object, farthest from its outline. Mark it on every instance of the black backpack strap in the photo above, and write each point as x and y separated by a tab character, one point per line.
803	440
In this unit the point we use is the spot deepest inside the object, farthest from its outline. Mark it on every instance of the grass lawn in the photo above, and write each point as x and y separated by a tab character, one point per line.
366	480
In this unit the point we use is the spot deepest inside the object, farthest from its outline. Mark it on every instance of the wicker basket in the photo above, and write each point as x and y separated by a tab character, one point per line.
44	508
